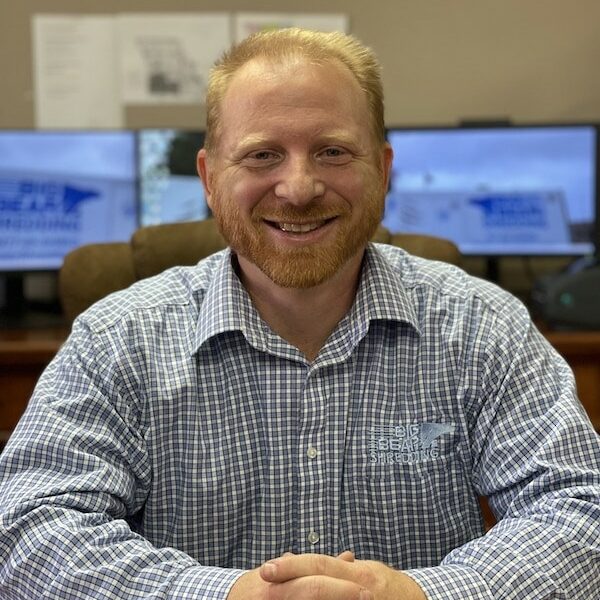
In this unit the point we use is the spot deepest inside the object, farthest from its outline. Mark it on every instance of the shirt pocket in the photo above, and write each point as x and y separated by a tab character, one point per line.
413	514
408	489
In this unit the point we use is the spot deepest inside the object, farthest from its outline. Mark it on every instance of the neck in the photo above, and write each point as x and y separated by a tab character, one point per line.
304	317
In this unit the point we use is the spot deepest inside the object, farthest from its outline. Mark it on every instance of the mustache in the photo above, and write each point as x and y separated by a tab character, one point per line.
290	213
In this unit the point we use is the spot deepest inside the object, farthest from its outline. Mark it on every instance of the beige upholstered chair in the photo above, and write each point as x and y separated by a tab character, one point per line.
93	271
158	247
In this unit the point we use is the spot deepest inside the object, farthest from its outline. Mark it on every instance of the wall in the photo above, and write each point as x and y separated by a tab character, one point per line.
527	60
443	60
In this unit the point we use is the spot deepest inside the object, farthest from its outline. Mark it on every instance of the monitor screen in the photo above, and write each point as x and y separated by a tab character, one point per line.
495	191
59	190
170	189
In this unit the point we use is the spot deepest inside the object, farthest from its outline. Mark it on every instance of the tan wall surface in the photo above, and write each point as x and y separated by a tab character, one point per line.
443	60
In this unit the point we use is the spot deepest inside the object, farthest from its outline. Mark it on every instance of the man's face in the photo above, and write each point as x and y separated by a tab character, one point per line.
296	182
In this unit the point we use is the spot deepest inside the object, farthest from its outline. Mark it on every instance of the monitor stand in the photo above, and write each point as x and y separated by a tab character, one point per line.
17	312
14	296
492	269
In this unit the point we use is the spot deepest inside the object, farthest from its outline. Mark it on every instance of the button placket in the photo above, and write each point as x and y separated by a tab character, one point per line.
311	481
312	452
313	537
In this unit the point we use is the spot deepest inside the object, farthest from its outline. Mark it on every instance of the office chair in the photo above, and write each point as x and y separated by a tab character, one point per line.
92	271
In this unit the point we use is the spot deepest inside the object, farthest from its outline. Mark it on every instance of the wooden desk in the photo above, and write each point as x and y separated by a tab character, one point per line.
25	353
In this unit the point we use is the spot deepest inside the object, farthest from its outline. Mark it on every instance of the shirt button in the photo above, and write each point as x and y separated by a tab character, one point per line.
313	537
312	452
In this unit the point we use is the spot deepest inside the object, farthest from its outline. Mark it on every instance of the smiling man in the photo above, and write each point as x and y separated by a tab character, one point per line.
296	181
305	415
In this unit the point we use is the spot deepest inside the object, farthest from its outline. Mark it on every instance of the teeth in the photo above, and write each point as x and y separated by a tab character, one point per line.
299	227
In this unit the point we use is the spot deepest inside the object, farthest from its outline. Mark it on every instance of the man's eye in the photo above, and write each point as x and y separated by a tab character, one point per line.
262	155
335	154
261	158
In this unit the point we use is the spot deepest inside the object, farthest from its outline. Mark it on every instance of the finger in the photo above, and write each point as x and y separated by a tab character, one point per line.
318	587
346	555
285	568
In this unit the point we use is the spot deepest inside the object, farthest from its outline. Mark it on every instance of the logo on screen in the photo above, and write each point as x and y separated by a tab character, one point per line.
41	205
512	210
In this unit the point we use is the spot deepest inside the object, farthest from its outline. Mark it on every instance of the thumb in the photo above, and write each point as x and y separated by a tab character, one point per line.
346	555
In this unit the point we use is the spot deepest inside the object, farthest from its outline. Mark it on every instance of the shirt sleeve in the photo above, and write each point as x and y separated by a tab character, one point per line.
536	457
73	472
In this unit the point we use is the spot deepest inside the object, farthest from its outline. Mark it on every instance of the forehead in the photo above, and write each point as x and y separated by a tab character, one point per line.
287	70
294	92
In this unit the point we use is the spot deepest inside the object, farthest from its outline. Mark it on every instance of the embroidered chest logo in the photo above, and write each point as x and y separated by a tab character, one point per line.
406	444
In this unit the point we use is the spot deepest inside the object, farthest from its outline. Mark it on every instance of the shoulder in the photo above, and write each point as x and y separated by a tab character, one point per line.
178	289
434	284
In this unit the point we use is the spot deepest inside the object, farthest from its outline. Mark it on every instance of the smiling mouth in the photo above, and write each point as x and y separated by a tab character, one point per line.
299	227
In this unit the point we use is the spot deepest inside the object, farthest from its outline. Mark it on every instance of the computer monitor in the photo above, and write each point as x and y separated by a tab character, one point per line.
497	190
62	189
170	189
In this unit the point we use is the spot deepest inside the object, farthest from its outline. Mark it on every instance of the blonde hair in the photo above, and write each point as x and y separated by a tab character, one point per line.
292	43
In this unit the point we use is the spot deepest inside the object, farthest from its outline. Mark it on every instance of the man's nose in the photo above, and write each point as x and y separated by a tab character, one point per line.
299	182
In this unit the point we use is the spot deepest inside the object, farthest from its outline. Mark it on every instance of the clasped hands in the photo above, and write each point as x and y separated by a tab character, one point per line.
322	577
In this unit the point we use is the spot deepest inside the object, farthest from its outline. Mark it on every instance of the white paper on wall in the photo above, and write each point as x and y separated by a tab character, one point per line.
75	72
246	23
166	57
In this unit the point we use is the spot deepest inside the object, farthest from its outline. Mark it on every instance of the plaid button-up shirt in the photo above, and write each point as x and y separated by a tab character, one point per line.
175	440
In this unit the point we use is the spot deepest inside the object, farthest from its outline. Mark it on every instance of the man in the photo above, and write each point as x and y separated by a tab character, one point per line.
304	415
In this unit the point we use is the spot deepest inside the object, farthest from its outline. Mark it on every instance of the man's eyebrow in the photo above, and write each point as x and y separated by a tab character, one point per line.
331	137
253	140
337	137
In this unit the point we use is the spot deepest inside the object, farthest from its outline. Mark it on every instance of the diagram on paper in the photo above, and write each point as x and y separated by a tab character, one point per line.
167	58
169	70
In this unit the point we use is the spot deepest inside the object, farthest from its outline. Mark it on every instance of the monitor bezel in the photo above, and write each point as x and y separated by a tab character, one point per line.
481	125
25	270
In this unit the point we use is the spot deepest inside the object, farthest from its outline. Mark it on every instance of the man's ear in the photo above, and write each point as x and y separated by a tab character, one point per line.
205	173
388	158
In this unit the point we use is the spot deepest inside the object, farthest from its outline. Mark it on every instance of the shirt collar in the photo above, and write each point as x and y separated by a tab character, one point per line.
227	306
381	294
